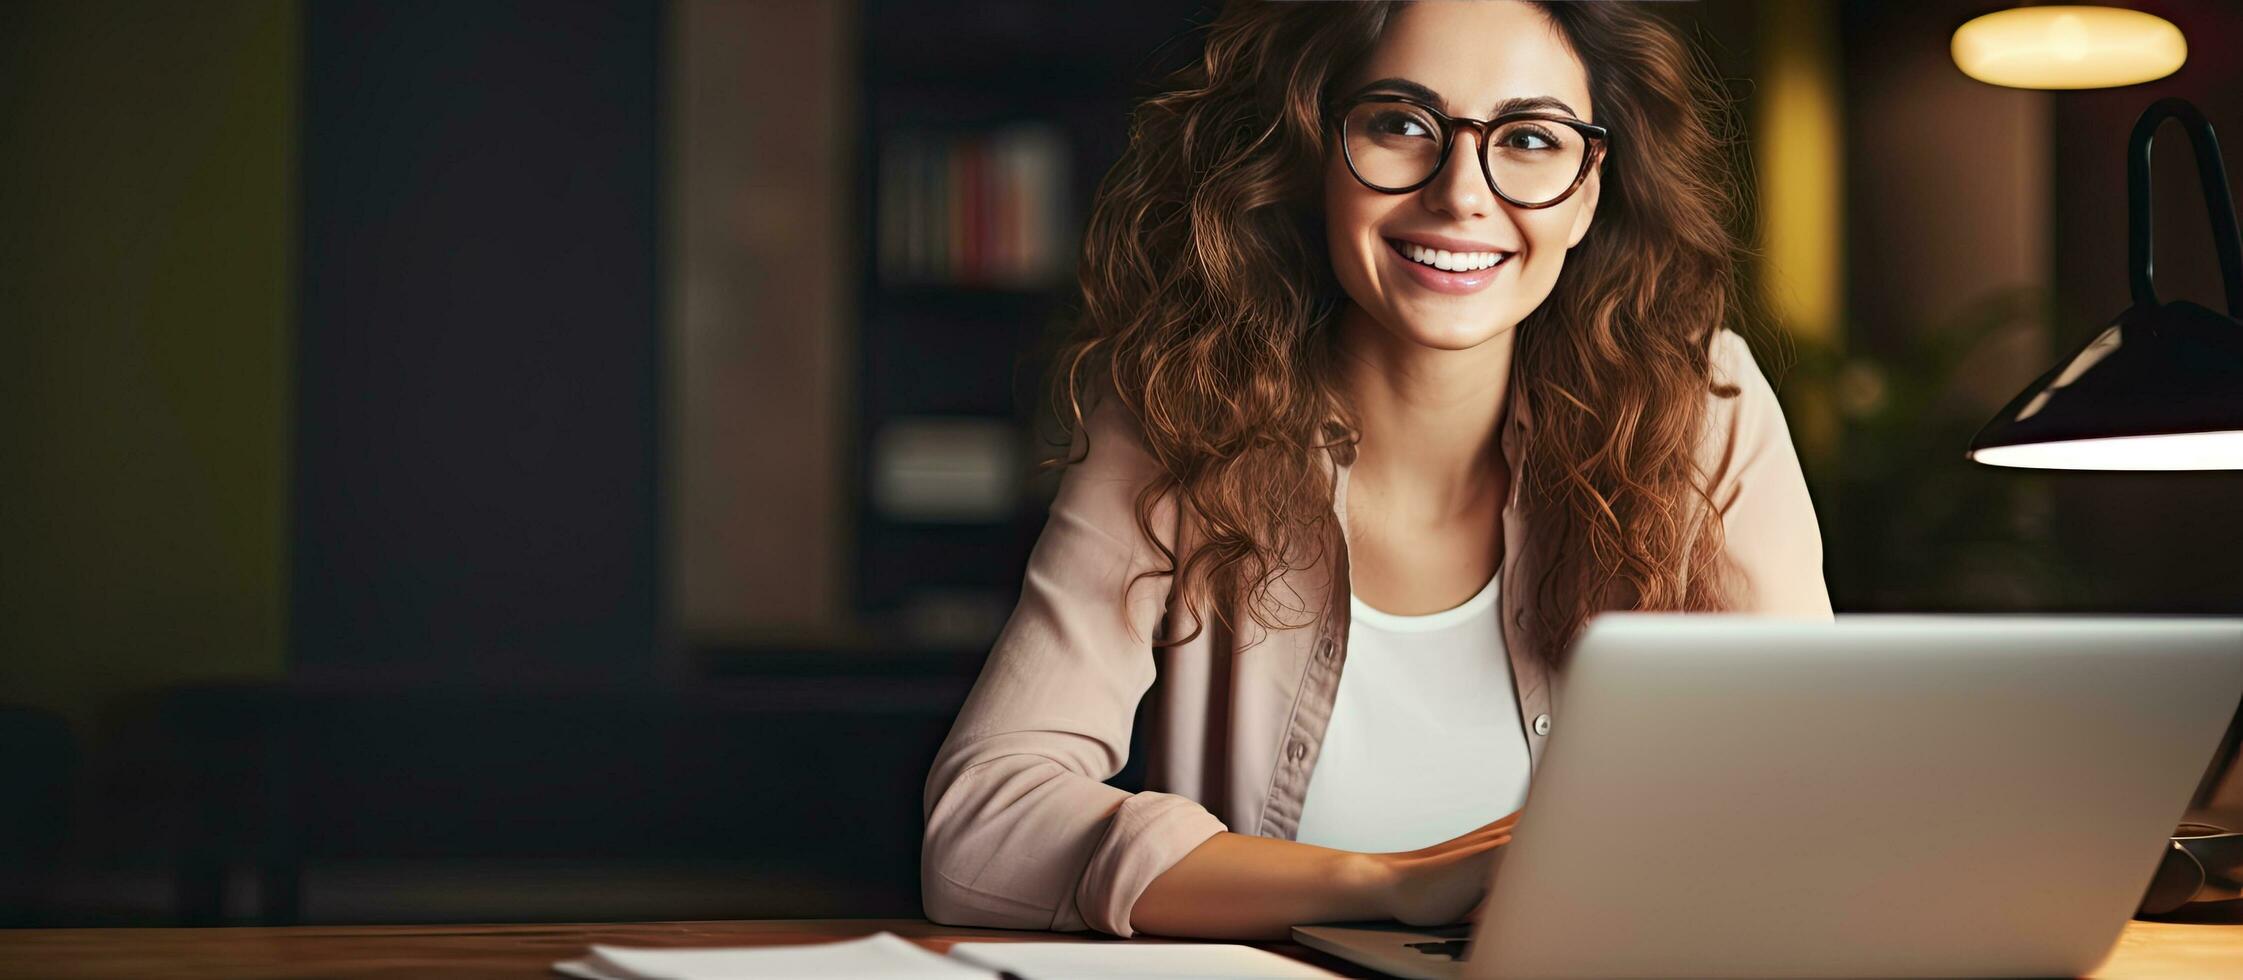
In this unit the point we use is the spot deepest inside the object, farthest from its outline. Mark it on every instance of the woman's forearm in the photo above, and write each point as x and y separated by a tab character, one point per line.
1238	886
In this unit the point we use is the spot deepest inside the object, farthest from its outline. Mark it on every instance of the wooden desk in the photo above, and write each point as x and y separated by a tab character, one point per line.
2146	949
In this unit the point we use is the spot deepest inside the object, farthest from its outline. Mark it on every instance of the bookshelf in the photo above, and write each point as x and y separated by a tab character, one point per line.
985	128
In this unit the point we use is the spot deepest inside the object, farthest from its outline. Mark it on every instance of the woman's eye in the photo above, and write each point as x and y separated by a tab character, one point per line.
1530	139
1400	124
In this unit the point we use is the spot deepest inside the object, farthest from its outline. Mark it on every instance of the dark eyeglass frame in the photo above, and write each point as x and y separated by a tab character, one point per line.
1596	136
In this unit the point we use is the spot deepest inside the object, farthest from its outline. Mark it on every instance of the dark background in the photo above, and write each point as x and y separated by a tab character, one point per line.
439	435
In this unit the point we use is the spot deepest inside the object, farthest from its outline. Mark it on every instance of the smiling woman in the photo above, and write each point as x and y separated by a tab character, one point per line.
1403	354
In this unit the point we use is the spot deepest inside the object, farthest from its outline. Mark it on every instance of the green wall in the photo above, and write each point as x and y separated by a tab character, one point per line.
146	238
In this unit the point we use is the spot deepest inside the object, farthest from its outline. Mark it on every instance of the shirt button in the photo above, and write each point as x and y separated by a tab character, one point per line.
1298	750
1542	724
1326	647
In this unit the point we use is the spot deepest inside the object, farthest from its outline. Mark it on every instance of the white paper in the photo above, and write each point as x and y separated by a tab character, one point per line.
881	956
1098	960
584	970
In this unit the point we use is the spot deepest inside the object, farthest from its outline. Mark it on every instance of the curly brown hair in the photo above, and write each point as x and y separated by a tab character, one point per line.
1209	311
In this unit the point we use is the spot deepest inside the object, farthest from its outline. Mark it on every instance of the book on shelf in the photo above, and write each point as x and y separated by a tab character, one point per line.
984	208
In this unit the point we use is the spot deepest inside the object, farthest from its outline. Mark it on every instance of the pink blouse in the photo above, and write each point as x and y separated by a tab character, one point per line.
1021	829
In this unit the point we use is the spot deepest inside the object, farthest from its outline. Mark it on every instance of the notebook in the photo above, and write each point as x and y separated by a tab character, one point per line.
887	956
1097	961
880	956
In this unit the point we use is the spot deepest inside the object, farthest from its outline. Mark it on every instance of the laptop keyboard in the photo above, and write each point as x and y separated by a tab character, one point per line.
1447	948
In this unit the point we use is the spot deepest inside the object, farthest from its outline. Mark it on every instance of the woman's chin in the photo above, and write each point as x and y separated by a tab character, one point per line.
1452	332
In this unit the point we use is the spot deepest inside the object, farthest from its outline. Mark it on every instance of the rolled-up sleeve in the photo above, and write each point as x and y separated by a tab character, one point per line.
1021	829
1772	545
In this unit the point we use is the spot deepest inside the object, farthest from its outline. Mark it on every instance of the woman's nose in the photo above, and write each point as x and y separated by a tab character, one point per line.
1461	189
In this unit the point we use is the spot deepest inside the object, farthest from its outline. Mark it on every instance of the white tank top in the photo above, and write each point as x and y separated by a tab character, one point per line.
1424	742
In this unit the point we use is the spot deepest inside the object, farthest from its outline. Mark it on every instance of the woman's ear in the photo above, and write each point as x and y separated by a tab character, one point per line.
1588	210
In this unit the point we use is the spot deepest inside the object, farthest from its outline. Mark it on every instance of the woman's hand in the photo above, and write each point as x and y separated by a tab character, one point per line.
1445	882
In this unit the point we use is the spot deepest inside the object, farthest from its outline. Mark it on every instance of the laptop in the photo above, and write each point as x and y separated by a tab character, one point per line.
1880	796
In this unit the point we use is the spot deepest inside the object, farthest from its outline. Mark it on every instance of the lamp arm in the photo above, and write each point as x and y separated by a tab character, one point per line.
2217	203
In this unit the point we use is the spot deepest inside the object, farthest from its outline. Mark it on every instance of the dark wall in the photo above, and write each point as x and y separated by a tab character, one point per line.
477	401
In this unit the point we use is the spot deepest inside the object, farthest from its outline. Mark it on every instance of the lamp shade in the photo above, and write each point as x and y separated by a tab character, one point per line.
2161	388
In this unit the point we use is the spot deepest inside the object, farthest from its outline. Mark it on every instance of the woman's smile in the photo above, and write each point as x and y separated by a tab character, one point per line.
1448	265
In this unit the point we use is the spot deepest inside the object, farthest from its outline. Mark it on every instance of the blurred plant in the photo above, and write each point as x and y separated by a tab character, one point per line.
1908	523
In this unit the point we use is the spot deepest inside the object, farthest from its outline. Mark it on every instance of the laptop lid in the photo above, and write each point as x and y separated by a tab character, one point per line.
1882	796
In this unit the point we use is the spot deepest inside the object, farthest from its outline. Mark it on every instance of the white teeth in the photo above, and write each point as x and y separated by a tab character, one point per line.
1451	261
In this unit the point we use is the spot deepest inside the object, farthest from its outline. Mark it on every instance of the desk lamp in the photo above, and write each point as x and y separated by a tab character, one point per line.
2161	388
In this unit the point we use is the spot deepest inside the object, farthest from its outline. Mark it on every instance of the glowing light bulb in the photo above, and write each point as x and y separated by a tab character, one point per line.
2067	37
2180	451
2066	47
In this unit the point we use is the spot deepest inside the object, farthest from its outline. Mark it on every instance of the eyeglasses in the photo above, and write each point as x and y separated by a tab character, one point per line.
1533	159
